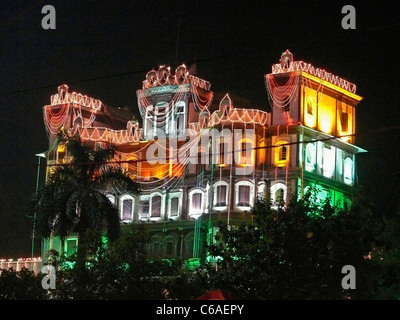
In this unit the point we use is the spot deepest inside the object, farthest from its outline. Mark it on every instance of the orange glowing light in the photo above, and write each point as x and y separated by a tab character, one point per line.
281	154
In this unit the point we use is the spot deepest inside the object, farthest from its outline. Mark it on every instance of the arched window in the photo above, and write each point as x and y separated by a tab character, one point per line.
281	153
111	198
161	116
126	208
278	194
220	194
132	167
70	246
244	194
156	206
196	202
179	125
155	247
170	245
188	245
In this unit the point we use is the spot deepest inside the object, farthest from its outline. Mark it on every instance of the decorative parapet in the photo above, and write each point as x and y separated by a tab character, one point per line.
64	96
229	114
100	134
287	64
163	77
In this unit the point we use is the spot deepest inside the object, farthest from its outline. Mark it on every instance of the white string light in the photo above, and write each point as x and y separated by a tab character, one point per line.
317	72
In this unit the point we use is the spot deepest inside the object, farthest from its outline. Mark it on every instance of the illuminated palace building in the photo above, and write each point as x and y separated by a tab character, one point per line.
199	162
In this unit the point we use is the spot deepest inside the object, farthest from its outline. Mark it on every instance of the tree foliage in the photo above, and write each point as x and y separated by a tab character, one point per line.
73	198
21	285
122	270
298	252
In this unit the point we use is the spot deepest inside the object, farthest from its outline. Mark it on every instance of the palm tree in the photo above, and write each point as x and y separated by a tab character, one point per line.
73	198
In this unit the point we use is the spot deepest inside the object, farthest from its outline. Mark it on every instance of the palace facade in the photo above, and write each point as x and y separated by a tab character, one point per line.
199	162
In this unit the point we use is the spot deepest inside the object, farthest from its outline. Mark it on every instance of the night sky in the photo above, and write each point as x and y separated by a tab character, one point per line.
104	49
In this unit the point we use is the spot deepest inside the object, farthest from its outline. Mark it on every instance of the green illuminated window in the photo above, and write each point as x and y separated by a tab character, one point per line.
188	245
169	247
155	247
71	246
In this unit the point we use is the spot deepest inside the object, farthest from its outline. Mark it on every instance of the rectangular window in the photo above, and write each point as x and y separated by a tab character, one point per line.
221	196
196	201
127	209
309	108
174	207
222	153
244	150
61	153
328	161
247	149
244	196
180	118
282	153
344	121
